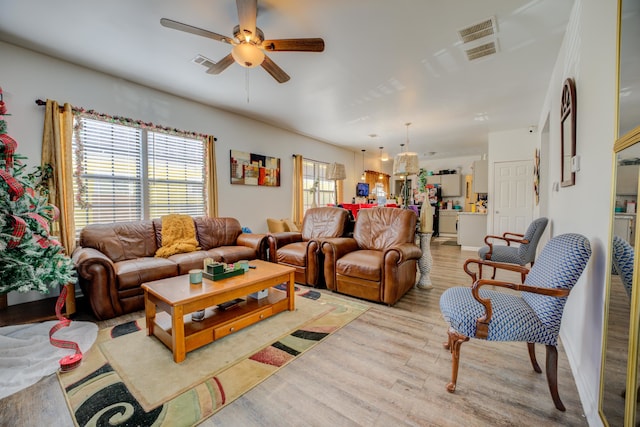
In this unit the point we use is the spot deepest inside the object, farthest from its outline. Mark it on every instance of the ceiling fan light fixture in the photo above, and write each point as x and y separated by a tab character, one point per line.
247	54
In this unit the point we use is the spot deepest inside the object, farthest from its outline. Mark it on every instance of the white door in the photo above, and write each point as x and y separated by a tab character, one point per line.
513	196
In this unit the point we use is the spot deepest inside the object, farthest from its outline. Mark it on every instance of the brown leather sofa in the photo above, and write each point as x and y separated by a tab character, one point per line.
114	260
379	262
302	250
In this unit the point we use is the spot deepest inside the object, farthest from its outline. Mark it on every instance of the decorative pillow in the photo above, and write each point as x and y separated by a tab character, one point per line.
275	225
178	235
290	225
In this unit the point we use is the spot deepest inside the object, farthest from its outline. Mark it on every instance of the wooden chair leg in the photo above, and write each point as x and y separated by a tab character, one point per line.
455	341
532	356
447	344
552	376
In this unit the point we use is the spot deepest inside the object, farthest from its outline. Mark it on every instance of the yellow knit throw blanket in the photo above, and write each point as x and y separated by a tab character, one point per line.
178	235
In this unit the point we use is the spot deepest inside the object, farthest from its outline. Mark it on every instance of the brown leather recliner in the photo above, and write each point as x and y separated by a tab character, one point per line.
302	250
379	262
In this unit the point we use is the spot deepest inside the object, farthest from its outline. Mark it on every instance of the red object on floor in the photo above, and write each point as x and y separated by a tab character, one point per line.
70	362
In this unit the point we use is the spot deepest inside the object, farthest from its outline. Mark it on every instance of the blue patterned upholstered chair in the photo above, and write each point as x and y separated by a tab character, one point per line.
523	253
623	262
532	316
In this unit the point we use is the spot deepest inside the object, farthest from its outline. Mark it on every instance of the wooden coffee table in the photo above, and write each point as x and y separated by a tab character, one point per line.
176	298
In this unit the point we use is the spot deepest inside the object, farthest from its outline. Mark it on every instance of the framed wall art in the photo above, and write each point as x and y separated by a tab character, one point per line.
254	169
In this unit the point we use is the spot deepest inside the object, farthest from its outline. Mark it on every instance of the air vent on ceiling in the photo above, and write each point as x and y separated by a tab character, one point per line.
486	28
204	61
480	39
481	51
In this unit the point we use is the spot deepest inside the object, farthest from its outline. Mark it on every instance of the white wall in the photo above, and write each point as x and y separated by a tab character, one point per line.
588	54
26	76
462	164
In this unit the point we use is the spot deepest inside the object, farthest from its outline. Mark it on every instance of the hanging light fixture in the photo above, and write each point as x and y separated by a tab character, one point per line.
363	177
383	156
406	163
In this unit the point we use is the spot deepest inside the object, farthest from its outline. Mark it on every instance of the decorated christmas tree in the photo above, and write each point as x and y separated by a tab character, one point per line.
30	259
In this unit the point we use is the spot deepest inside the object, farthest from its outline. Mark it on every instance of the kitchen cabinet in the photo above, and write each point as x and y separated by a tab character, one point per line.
623	226
433	179
451	184
481	176
447	222
627	180
472	229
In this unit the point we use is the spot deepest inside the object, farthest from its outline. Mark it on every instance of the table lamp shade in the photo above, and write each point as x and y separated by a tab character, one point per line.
336	172
405	164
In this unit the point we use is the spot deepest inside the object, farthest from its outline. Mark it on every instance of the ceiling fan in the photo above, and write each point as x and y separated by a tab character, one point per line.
248	42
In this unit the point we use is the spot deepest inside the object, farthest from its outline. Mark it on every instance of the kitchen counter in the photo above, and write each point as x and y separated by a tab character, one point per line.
448	219
472	229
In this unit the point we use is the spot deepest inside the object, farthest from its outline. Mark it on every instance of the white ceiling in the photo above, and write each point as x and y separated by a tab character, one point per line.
385	62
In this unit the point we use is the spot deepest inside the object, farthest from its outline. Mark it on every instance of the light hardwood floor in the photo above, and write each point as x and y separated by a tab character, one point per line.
386	368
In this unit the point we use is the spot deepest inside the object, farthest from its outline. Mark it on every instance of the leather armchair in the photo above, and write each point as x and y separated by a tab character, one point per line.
379	262
302	250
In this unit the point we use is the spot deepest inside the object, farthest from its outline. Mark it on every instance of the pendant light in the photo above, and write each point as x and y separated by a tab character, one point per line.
406	163
383	156
364	175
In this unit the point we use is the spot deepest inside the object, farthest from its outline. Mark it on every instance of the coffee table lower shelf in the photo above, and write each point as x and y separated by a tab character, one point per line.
220	323
169	303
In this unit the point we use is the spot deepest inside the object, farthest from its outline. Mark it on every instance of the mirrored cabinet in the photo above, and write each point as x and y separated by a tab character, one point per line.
621	329
618	344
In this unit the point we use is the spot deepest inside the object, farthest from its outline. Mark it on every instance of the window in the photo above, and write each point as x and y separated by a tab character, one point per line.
125	173
315	186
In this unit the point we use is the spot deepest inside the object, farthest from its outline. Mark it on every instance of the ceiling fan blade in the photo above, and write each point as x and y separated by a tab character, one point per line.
247	15
175	25
294	45
221	65
275	71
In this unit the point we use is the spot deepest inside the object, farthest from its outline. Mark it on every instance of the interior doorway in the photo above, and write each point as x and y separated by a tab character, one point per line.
544	186
512	196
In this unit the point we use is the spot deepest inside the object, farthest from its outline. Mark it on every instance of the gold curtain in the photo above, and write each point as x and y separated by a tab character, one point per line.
340	190
373	177
57	133
297	212
56	151
211	178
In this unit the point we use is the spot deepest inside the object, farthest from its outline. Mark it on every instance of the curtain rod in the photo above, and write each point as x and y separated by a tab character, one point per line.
123	120
42	103
379	173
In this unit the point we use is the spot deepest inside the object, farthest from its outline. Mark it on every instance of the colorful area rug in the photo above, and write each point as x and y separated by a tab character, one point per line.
129	378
